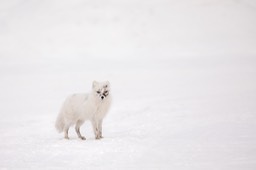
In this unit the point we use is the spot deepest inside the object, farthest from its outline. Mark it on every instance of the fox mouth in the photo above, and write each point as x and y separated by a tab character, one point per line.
103	96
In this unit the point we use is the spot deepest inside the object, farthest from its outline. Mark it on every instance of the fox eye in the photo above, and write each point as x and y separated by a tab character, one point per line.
98	92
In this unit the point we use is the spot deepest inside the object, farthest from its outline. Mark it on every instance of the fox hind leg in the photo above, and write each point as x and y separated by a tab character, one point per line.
78	125
66	132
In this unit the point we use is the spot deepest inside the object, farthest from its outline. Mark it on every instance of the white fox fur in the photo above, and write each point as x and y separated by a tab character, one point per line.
78	108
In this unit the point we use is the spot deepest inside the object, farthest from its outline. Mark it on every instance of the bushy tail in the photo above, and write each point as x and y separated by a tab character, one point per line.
59	124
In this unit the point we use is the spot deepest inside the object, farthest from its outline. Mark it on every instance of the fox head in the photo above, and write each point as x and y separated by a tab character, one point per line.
101	89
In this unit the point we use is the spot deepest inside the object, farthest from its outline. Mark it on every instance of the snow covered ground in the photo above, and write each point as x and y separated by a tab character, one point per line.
183	77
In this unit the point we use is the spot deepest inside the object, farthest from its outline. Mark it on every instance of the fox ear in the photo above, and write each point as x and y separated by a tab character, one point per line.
94	84
107	84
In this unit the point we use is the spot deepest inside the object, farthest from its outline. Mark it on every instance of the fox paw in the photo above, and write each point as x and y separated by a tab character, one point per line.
83	138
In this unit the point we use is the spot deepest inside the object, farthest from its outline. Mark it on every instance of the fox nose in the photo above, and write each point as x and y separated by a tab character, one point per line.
102	97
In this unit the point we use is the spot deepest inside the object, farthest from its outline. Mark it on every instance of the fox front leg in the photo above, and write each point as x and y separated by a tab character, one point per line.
96	129
100	128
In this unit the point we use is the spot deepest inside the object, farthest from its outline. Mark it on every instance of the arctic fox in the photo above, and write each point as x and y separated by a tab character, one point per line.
78	108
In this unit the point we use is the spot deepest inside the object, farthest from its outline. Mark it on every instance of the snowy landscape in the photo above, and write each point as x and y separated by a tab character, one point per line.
182	74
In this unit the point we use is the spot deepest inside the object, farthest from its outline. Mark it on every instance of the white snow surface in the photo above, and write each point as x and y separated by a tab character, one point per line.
182	73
